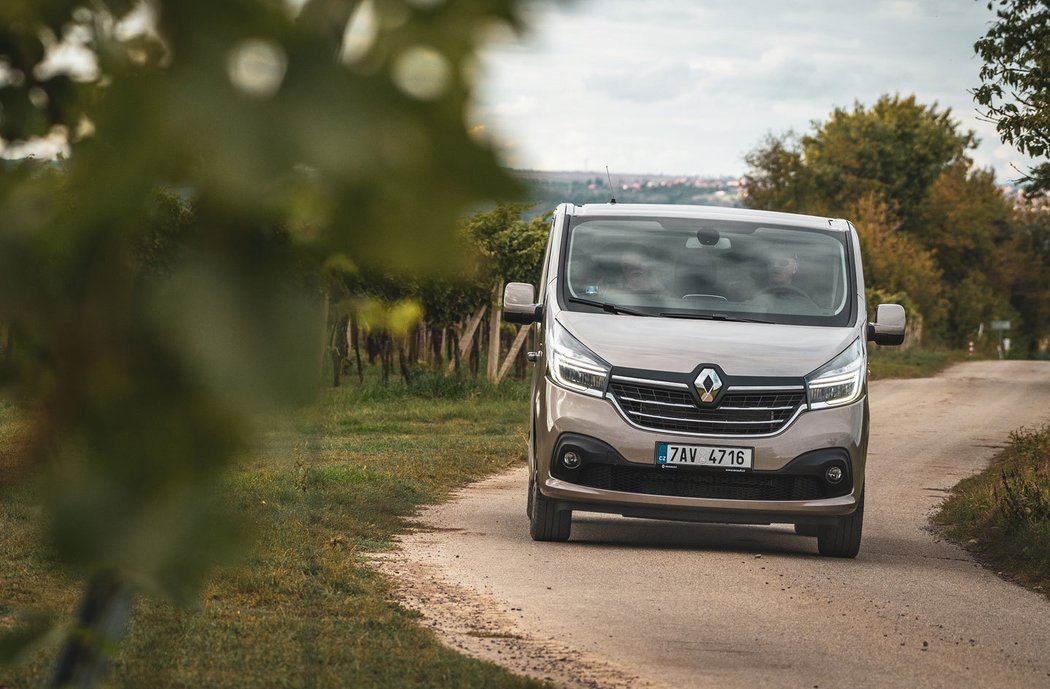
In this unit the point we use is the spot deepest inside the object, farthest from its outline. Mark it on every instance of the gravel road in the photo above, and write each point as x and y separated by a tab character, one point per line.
636	603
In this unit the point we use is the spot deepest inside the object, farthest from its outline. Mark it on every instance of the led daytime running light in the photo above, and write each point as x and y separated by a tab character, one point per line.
840	381
575	367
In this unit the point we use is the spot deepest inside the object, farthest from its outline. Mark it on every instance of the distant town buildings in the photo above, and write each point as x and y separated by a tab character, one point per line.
551	188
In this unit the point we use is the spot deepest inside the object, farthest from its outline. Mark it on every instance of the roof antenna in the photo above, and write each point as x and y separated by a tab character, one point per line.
609	177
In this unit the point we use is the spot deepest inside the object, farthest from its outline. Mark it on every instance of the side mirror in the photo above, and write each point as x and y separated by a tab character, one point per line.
888	328
519	304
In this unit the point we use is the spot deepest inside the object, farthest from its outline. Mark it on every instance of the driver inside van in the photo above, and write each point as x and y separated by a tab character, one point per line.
781	266
633	271
636	271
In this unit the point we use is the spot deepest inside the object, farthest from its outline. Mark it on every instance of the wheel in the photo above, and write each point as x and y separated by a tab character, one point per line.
811	530
842	539
545	522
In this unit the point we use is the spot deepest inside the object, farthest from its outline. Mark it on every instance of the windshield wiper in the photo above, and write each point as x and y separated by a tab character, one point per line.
710	317
607	307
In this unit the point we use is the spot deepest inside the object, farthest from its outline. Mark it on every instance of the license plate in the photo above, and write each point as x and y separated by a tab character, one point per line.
718	456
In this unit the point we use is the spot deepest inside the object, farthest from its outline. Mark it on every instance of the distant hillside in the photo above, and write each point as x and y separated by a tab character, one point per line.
549	189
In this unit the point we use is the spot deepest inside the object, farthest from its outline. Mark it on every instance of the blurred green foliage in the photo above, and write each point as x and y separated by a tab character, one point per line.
511	248
497	245
160	286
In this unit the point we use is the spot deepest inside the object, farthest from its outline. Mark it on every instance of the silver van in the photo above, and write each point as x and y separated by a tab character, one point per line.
700	364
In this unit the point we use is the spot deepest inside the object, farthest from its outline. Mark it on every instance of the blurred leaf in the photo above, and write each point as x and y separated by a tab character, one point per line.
32	632
403	316
165	283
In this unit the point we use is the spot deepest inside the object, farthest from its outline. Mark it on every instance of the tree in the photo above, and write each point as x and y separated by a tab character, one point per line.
897	263
925	216
142	361
1015	80
897	149
1026	260
778	178
511	248
965	218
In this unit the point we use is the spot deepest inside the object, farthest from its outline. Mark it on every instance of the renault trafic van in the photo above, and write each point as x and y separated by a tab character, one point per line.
700	364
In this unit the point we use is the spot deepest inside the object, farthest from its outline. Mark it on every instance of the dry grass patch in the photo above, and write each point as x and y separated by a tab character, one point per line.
1003	513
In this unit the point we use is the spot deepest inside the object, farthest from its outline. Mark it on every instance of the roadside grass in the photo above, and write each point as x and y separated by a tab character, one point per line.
1002	515
301	607
894	362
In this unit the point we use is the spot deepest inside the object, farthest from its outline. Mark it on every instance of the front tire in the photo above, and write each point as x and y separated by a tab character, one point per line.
842	539
545	522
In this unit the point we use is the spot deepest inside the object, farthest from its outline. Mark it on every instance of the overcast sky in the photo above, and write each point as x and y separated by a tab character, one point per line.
688	87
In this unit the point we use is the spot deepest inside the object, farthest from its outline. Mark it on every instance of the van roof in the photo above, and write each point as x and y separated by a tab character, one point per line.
704	212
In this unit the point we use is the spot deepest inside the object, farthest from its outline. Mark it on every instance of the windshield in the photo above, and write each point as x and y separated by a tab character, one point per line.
695	268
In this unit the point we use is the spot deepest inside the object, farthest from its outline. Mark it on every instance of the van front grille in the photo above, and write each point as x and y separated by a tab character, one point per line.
666	408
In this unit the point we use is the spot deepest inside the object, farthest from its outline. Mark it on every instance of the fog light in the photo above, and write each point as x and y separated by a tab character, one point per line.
833	474
570	459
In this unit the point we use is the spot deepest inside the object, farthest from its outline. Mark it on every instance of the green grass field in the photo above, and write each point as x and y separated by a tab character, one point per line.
301	608
894	362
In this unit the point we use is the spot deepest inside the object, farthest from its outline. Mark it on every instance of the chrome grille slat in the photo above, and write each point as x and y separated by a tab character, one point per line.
663	404
672	418
725	408
666	406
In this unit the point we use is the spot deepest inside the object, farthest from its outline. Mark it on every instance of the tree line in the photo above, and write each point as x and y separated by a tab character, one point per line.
937	233
443	322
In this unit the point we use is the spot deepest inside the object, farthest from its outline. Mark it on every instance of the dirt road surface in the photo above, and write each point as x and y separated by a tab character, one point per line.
635	603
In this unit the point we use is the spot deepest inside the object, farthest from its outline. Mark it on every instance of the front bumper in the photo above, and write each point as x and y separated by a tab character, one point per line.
638	488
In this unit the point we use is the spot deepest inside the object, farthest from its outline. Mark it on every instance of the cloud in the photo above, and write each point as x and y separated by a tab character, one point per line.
690	87
638	83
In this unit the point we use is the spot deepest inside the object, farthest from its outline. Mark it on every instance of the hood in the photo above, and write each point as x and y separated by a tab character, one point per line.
679	345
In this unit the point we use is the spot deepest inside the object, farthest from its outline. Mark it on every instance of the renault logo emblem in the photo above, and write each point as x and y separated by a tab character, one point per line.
708	384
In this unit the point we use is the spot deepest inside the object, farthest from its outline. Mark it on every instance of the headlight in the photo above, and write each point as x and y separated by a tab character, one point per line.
841	380
573	366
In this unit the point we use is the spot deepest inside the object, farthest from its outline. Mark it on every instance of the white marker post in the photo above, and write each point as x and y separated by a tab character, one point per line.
1004	347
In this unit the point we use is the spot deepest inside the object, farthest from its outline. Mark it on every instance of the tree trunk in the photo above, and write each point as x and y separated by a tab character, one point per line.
355	340
402	363
372	346
519	364
339	349
324	331
495	317
83	659
438	345
468	335
454	344
385	357
417	343
475	356
523	333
